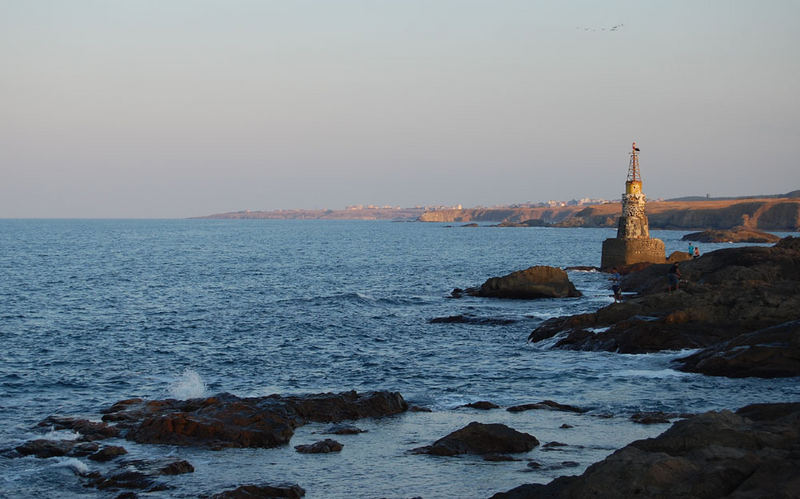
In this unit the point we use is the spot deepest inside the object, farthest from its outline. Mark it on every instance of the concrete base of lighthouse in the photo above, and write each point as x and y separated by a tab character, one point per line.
621	252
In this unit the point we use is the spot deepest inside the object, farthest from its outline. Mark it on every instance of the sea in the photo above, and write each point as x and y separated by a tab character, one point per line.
97	311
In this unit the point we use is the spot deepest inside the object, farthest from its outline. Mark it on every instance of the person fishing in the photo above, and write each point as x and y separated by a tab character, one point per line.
674	277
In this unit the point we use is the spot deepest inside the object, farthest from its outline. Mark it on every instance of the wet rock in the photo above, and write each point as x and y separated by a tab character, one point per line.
43	448
499	457
653	417
126	480
735	235
343	429
416	408
229	421
552	445
750	453
482	405
534	465
469	319
767	353
546	405
89	430
531	283
108	453
262	491
479	438
566	426
176	468
321	447
583	268
726	293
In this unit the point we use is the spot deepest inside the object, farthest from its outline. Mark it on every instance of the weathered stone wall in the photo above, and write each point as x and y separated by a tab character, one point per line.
633	222
621	252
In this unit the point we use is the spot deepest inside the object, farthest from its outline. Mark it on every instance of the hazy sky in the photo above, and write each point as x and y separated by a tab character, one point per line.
179	108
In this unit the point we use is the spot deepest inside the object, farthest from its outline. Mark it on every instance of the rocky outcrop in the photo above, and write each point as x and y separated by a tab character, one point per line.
735	235
89	430
724	293
546	405
322	447
229	421
252	491
43	448
479	438
533	282
768	353
750	453
777	214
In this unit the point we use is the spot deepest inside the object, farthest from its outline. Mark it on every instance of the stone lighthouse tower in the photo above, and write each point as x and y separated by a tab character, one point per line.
633	243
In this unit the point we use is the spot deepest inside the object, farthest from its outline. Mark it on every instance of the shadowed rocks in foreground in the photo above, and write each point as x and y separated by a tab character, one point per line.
768	353
226	420
479	438
754	452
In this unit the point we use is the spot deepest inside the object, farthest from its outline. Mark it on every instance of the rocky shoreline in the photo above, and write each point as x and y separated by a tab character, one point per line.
724	295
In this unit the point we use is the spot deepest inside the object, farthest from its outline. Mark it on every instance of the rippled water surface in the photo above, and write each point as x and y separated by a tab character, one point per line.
92	312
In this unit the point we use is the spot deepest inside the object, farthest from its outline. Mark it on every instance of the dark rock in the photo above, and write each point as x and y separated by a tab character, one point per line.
753	453
547	405
534	465
569	464
551	445
457	293
653	417
108	453
767	353
726	293
321	447
176	468
479	438
499	457
416	408
43	448
734	235
126	480
343	429
468	319
262	491
531	283
482	405
566	426
229	421
583	268
89	430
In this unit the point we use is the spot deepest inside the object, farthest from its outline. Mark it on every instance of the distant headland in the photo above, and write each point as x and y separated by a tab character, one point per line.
778	212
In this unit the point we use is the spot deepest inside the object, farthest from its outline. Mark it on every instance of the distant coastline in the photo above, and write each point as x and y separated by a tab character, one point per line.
779	212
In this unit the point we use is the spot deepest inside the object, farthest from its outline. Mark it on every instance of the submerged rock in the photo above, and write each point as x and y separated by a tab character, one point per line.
479	438
89	430
469	319
343	429
752	453
108	453
226	420
483	405
533	282
44	448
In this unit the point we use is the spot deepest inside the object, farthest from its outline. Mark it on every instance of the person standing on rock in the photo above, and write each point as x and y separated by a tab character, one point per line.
674	277
616	285
691	249
696	253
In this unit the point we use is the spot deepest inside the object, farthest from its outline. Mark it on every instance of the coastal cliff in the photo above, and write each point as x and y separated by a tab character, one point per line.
777	214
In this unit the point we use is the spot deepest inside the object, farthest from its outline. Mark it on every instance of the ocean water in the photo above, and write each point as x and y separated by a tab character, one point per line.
96	311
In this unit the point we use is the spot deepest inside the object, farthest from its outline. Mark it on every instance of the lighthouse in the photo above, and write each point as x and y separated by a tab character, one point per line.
633	243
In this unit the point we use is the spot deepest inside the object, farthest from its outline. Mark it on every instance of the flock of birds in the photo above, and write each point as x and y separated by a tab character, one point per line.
616	27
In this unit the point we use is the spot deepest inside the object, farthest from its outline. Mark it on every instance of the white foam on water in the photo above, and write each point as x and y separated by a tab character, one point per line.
642	373
78	467
189	385
61	435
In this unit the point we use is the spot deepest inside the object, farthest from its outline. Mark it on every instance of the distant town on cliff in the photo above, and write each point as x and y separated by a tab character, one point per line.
777	212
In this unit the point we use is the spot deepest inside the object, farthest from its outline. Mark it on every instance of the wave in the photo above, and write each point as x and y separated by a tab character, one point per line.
189	385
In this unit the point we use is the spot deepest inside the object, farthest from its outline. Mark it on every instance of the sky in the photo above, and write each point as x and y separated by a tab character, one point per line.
179	108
